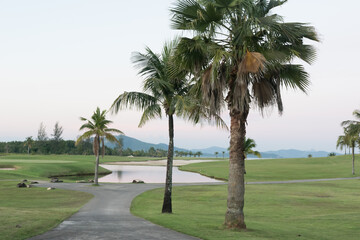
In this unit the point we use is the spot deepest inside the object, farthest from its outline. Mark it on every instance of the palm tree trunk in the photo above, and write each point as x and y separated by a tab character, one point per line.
353	160
167	206
96	177
28	150
234	217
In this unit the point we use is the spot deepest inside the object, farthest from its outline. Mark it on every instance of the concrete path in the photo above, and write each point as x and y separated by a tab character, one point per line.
107	216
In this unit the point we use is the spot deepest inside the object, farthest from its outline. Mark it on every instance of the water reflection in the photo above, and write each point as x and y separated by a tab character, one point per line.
150	174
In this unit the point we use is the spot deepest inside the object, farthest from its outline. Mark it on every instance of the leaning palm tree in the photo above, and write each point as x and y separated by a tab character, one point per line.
165	88
248	148
28	143
97	127
241	54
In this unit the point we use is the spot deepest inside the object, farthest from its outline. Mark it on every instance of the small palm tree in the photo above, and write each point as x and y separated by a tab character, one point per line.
352	135
29	142
216	154
248	148
342	143
97	127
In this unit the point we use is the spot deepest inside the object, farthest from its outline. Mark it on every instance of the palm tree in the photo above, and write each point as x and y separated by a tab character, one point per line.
216	153
352	135
243	50
223	153
29	142
248	148
97	127
165	88
352	139
356	123
342	143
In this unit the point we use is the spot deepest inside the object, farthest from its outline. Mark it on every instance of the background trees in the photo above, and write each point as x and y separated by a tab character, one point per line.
29	143
58	130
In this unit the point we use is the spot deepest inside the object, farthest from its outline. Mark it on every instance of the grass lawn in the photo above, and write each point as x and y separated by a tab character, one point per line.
283	169
321	210
41	167
26	212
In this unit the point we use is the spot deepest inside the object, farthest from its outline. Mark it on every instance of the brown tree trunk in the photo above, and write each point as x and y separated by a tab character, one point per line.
167	206
234	217
353	160
96	182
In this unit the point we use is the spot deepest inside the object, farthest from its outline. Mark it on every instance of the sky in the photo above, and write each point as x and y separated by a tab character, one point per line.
61	59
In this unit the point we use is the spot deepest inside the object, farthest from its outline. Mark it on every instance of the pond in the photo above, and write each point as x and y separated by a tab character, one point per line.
150	174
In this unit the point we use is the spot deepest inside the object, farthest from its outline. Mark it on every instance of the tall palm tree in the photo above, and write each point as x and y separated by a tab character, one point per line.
97	127
28	143
242	54
165	88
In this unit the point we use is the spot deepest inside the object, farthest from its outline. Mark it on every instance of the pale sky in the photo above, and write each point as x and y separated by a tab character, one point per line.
61	59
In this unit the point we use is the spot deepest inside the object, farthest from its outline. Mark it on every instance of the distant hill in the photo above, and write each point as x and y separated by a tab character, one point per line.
293	153
135	144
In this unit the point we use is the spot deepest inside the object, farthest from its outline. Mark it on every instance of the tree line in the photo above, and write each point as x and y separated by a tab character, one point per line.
57	145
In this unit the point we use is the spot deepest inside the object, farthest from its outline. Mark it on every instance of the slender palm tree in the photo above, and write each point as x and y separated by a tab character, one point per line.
165	88
342	143
241	54
352	134
29	143
97	127
352	138
248	148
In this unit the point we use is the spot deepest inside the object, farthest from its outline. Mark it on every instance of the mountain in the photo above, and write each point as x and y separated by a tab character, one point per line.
135	144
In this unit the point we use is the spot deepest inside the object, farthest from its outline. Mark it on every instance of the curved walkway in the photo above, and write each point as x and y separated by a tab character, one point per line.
107	215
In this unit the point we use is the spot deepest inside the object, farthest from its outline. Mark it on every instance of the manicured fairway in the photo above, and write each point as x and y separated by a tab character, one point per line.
283	169
26	212
322	210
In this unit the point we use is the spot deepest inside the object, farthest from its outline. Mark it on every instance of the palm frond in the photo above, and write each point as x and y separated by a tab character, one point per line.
131	100
151	112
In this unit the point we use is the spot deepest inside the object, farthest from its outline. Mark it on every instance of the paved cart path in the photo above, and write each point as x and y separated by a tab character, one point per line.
107	215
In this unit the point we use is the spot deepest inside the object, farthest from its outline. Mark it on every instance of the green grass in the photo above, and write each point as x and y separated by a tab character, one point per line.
321	210
42	167
35	210
282	169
